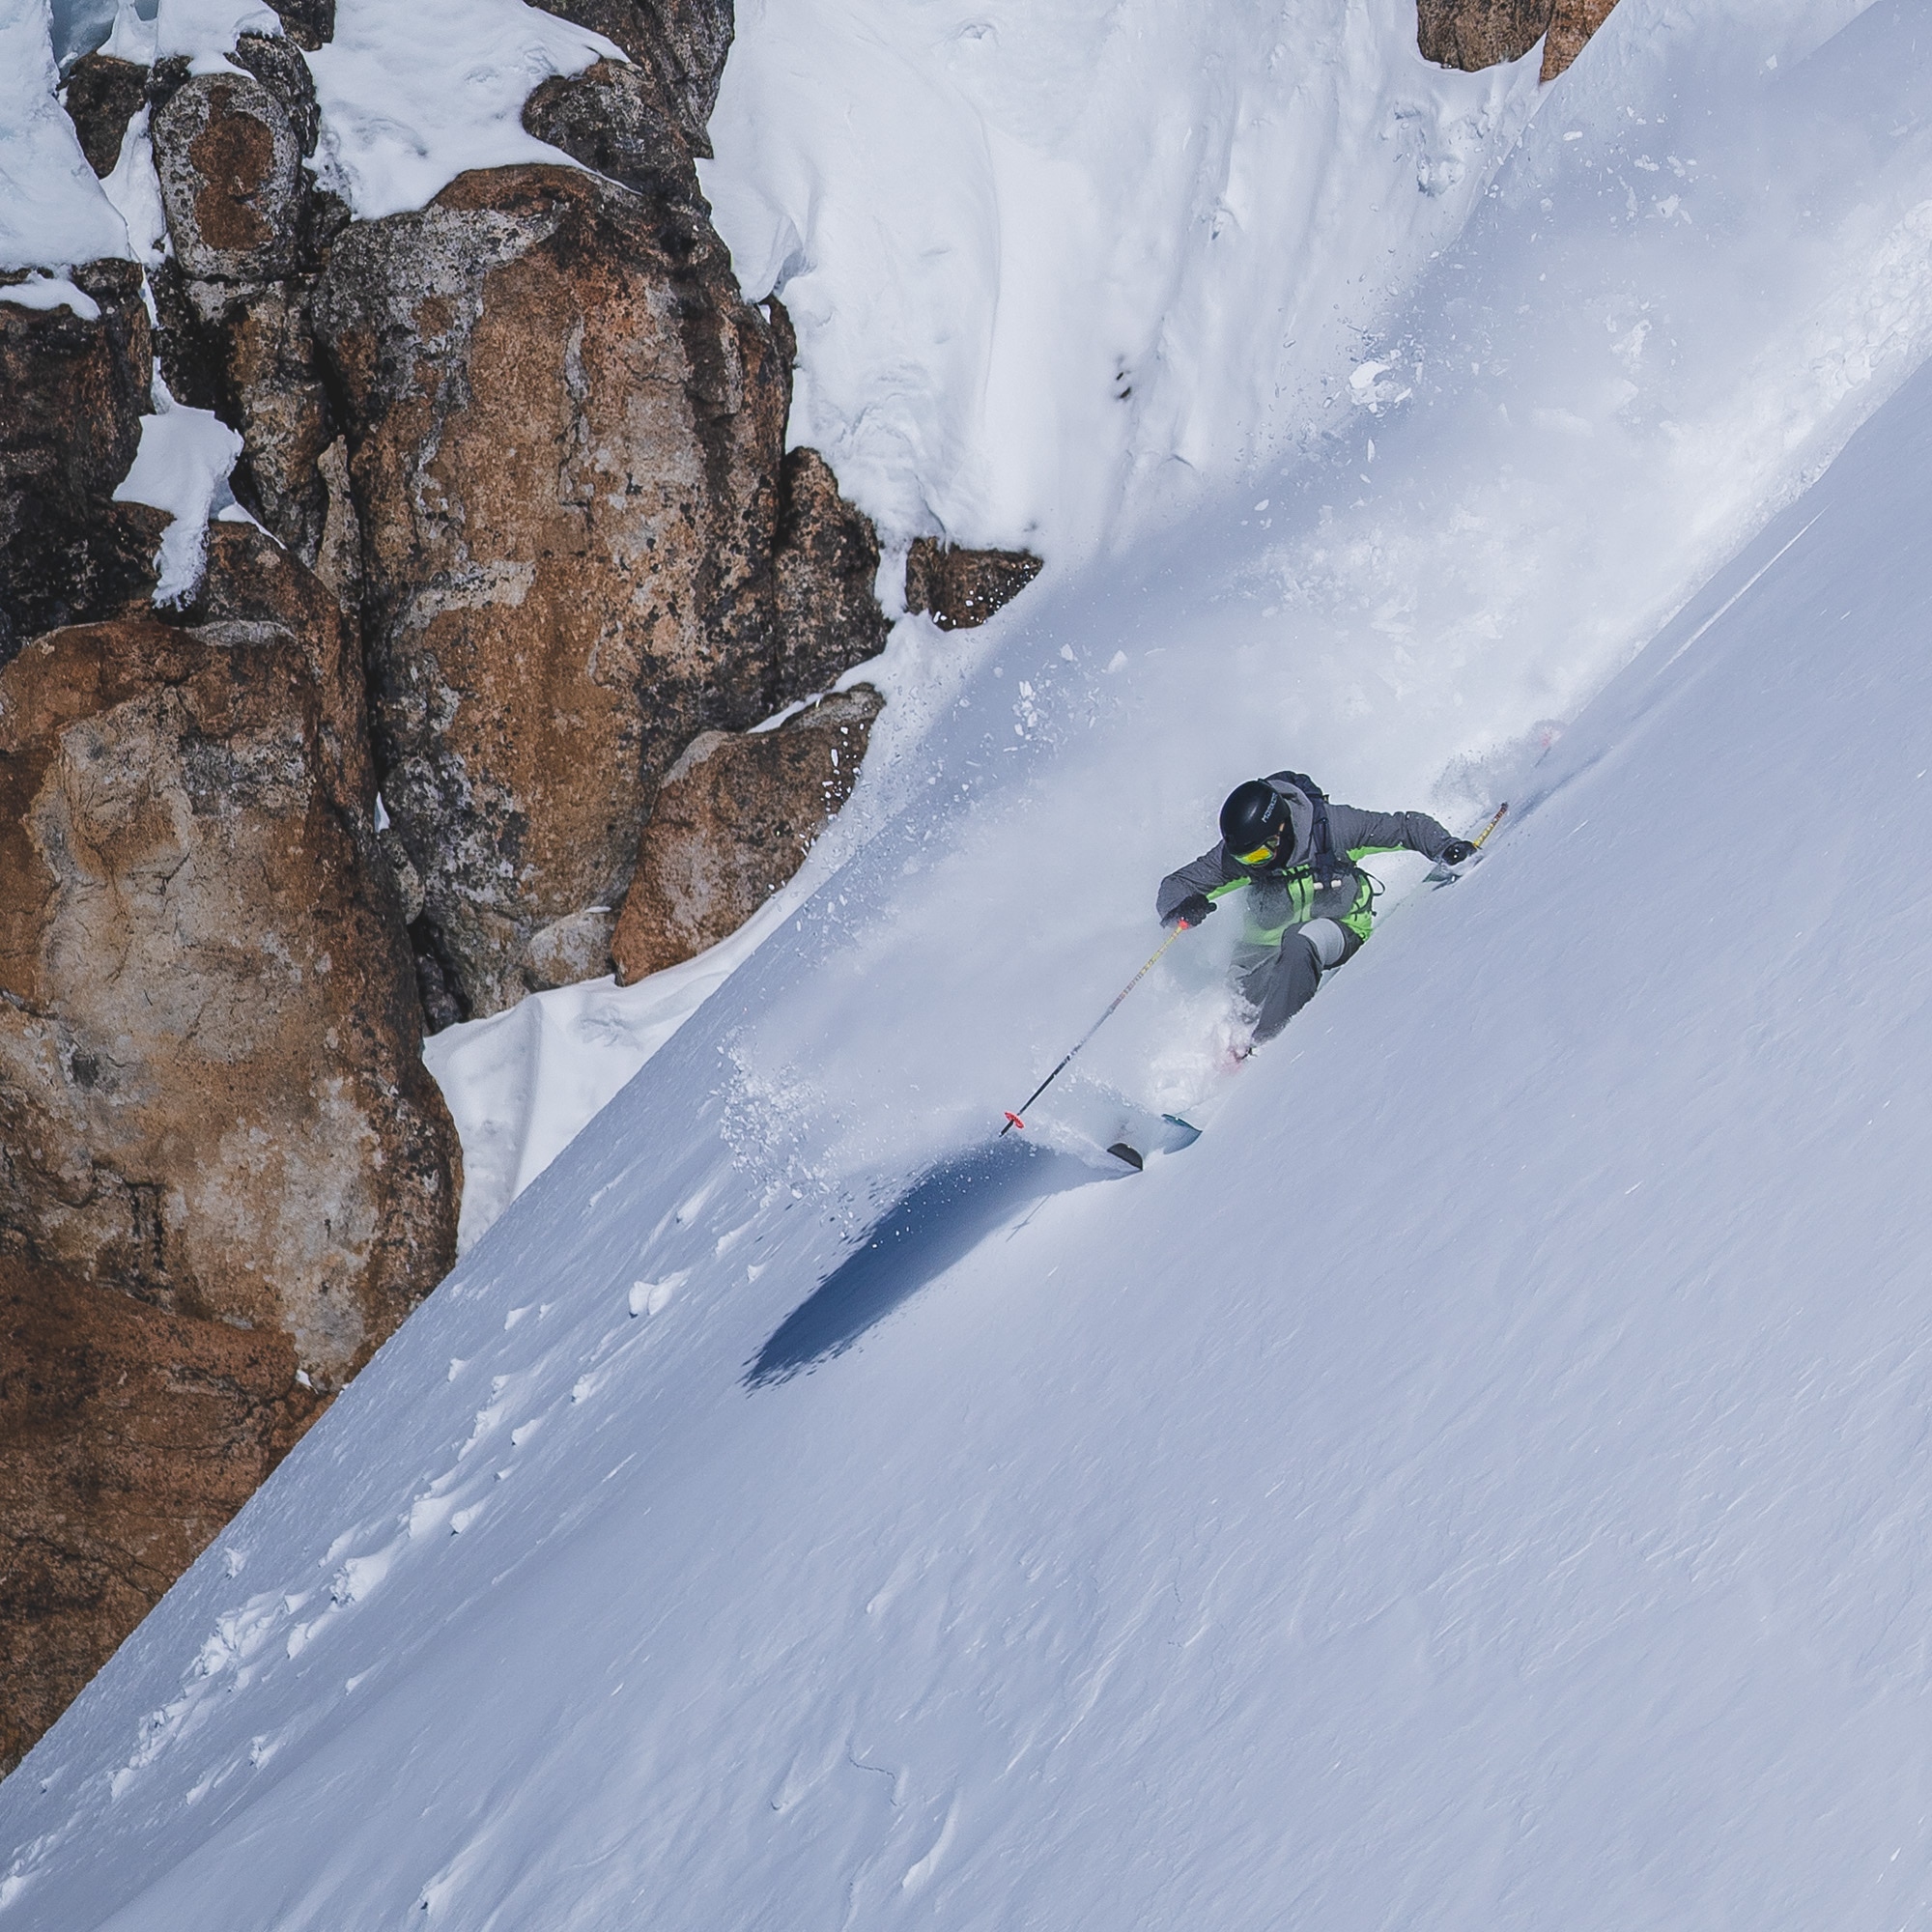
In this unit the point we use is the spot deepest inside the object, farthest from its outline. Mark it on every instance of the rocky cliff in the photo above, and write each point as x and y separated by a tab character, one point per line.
564	429
1472	34
528	538
76	385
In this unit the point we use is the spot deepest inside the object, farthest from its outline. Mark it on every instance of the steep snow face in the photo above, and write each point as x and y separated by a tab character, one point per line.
1034	254
1055	268
1471	1485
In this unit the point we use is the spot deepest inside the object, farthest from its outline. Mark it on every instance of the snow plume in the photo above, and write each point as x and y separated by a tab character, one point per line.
1703	266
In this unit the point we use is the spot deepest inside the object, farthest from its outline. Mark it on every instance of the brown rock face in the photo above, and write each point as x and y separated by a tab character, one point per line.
620	121
564	429
273	60
960	588
338	558
101	96
75	393
220	1158
129	1436
211	1093
308	23
681	44
1473	34
1572	22
733	821
270	386
828	558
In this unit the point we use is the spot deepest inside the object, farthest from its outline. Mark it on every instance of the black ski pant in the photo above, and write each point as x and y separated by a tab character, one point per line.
1278	980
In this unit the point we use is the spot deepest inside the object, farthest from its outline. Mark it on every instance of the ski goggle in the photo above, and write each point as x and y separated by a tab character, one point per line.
1260	855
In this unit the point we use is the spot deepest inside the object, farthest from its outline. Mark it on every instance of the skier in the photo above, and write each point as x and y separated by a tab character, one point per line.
1310	905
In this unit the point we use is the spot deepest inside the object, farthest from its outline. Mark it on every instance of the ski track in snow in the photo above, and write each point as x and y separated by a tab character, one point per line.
1474	1487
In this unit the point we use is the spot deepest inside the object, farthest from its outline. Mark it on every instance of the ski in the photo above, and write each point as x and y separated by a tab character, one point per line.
1085	1114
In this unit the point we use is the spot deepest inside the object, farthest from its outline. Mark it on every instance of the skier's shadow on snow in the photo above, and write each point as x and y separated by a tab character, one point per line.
940	1219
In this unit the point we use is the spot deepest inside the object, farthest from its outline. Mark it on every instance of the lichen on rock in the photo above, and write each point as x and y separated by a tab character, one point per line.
75	388
249	228
680	44
101	94
564	426
210	1074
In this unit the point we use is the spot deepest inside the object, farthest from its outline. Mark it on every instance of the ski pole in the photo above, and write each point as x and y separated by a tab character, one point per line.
1497	819
1013	1119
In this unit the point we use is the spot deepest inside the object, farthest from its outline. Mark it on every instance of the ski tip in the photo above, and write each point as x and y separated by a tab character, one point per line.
1120	1151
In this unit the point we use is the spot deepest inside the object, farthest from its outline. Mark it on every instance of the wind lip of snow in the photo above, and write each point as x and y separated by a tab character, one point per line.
53	213
412	96
183	467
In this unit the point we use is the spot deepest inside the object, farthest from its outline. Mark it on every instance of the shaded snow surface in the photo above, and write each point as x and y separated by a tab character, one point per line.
1477	1484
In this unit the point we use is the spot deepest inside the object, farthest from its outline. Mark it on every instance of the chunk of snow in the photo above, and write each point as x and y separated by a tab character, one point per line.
182	467
41	291
135	191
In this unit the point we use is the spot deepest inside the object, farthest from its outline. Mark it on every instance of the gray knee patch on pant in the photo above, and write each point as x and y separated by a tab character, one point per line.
1329	941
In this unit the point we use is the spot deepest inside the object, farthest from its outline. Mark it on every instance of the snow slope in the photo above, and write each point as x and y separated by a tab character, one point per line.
1038	255
1474	1486
1478	1485
1707	261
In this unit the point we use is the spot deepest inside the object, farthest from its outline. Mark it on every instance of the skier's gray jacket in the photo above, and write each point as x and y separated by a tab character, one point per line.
1284	893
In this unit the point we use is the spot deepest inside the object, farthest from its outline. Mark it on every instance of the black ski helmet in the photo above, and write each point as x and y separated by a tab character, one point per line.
1255	816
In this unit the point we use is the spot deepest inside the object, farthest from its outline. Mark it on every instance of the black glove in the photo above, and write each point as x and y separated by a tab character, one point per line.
1457	850
1191	911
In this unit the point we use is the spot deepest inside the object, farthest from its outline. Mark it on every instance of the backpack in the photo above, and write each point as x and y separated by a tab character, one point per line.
1323	865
